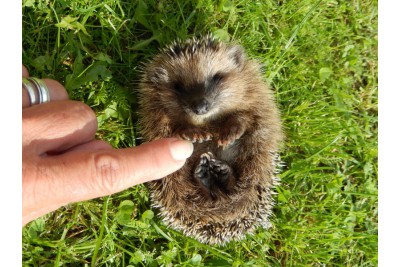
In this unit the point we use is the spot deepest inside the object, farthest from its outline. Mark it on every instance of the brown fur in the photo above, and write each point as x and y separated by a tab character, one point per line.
242	129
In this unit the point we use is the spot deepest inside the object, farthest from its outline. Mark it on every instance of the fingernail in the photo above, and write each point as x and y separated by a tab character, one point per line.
181	149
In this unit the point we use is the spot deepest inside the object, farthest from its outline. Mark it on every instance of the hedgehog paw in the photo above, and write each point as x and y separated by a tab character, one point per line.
229	134
219	169
202	171
222	175
195	135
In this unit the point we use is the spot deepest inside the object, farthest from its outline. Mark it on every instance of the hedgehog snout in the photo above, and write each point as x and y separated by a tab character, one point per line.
201	107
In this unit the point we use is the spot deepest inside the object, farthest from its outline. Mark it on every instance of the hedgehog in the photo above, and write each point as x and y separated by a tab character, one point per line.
209	92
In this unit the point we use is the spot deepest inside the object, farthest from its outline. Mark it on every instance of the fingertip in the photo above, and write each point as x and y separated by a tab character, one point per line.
181	149
158	158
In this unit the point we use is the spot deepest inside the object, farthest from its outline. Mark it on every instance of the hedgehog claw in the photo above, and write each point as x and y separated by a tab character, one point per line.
212	172
194	135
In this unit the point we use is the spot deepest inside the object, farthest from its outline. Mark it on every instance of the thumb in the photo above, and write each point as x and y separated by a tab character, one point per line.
92	174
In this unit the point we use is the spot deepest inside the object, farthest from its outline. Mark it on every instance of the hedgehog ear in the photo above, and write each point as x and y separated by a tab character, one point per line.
237	54
160	75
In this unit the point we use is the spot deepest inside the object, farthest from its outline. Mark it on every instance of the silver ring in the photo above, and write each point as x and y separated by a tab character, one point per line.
37	90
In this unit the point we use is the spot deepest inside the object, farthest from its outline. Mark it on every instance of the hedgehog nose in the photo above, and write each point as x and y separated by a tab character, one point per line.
201	108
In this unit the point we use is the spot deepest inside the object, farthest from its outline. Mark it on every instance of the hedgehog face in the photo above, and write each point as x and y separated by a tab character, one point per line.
199	75
202	97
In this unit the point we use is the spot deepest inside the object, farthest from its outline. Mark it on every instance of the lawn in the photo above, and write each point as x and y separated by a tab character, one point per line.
321	59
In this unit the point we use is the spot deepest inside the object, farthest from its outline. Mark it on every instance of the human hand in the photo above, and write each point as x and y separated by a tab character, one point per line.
63	163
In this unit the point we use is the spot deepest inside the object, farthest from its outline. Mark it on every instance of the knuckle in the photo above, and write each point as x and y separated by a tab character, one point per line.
107	172
83	115
83	110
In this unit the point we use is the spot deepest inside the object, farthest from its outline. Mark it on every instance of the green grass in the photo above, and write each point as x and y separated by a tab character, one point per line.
321	59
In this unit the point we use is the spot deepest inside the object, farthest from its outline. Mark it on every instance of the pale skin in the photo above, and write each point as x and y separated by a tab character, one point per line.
62	162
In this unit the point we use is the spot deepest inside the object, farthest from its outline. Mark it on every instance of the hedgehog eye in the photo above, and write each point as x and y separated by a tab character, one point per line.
214	81
217	78
178	87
